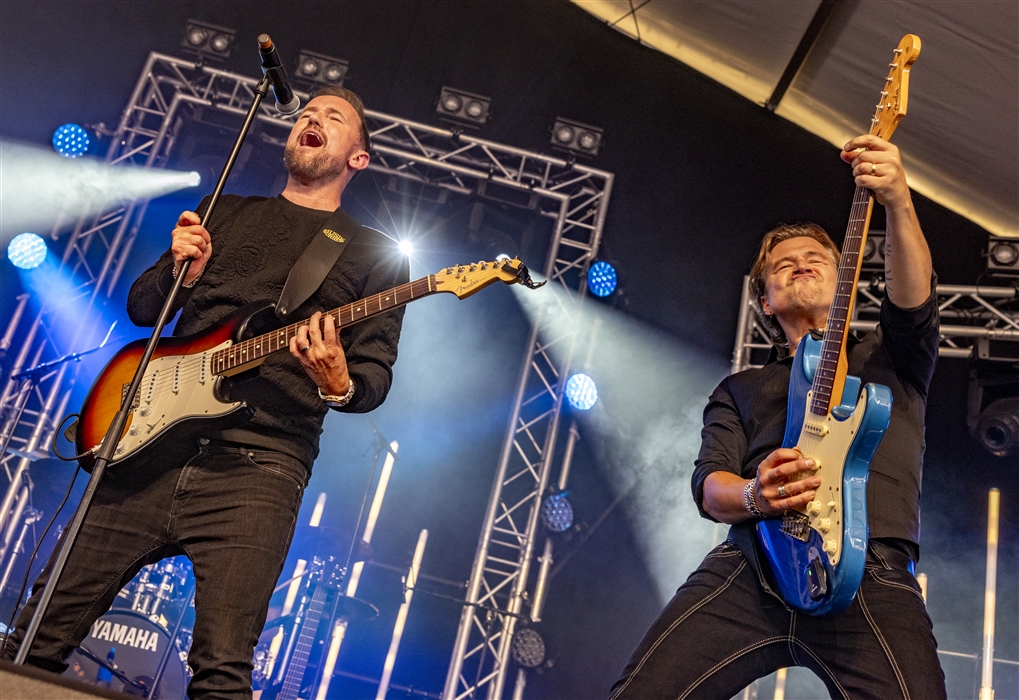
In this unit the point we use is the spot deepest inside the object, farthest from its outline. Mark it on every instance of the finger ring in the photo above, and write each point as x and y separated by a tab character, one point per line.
781	491
873	168
306	348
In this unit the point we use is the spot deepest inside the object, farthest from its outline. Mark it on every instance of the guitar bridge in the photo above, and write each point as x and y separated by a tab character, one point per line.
796	524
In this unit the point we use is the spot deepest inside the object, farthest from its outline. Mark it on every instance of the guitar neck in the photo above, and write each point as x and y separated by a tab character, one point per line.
831	370
250	352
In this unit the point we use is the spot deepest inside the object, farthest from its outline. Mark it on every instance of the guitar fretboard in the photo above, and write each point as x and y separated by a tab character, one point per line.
842	305
254	349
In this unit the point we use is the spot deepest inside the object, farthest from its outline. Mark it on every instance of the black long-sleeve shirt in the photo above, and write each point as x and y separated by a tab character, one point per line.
745	421
255	243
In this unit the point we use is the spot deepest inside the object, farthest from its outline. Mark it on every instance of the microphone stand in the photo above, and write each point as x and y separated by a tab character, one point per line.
109	444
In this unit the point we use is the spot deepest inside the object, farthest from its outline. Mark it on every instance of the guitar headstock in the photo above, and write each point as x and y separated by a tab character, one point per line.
464	280
891	108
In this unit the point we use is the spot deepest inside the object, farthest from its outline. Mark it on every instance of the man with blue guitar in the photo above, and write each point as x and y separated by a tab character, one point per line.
797	583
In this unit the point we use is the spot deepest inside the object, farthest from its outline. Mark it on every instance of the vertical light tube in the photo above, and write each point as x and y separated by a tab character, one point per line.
780	677
340	629
922	580
316	515
295	587
990	595
401	616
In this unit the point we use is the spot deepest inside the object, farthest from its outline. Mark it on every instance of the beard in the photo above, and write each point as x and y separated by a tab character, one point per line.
310	165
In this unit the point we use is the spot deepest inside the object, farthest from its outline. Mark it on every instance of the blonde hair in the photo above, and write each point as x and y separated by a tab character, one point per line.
759	271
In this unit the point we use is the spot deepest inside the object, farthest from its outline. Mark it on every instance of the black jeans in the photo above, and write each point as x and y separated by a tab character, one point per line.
229	508
722	630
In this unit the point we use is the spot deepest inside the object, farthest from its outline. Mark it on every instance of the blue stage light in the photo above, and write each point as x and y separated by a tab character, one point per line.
26	250
70	140
556	512
581	392
601	279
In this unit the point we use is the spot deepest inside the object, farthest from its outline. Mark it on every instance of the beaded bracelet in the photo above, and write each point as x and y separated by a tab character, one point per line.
748	499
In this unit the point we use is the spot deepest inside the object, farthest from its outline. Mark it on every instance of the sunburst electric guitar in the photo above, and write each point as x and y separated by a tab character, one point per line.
817	552
183	386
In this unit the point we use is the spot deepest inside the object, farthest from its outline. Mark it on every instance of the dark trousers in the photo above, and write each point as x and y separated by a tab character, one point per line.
230	509
722	631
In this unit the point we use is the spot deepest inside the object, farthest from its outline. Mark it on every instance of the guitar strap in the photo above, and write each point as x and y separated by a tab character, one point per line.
316	261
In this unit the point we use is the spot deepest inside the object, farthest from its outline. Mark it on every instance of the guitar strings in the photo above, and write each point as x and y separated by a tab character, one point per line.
188	368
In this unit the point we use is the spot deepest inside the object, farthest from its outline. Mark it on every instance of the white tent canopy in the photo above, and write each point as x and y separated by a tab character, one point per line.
960	142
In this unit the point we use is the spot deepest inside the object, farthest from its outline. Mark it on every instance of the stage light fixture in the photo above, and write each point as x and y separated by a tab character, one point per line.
581	392
601	279
315	69
575	137
556	512
406	247
997	427
71	140
465	108
528	648
26	250
1003	256
874	251
207	40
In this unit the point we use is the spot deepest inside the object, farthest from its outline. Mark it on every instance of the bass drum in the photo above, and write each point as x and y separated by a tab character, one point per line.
135	646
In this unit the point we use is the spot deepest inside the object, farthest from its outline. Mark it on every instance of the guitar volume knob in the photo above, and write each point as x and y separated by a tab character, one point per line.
813	508
830	546
824	525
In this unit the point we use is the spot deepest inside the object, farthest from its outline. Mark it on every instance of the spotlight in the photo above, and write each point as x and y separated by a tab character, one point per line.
581	392
997	427
601	279
1003	256
317	69
575	137
207	40
556	512
463	108
194	179
70	140
406	247
874	251
528	648
26	250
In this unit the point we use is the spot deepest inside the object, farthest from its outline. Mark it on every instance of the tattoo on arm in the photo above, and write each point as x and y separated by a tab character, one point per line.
888	263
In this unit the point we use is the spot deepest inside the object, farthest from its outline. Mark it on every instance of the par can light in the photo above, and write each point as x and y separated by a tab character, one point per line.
601	279
26	250
581	392
70	140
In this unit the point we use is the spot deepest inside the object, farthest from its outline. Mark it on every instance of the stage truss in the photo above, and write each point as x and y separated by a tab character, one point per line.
169	91
980	322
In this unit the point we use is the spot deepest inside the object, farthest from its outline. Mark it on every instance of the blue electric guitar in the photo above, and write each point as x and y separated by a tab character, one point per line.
817	552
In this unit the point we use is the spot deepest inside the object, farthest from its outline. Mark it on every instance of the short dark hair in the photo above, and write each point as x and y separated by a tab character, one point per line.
759	272
355	102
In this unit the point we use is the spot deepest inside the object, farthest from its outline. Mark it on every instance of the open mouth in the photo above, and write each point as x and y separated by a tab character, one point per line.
311	139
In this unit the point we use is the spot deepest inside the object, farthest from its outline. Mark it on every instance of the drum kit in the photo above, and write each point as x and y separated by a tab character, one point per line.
140	646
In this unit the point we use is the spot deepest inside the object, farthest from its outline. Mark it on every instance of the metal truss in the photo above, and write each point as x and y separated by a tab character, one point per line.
971	318
171	90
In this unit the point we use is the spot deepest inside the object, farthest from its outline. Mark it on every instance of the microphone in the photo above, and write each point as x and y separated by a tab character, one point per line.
286	101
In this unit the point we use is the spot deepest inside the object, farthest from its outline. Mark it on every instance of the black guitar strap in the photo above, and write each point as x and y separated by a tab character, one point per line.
315	262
